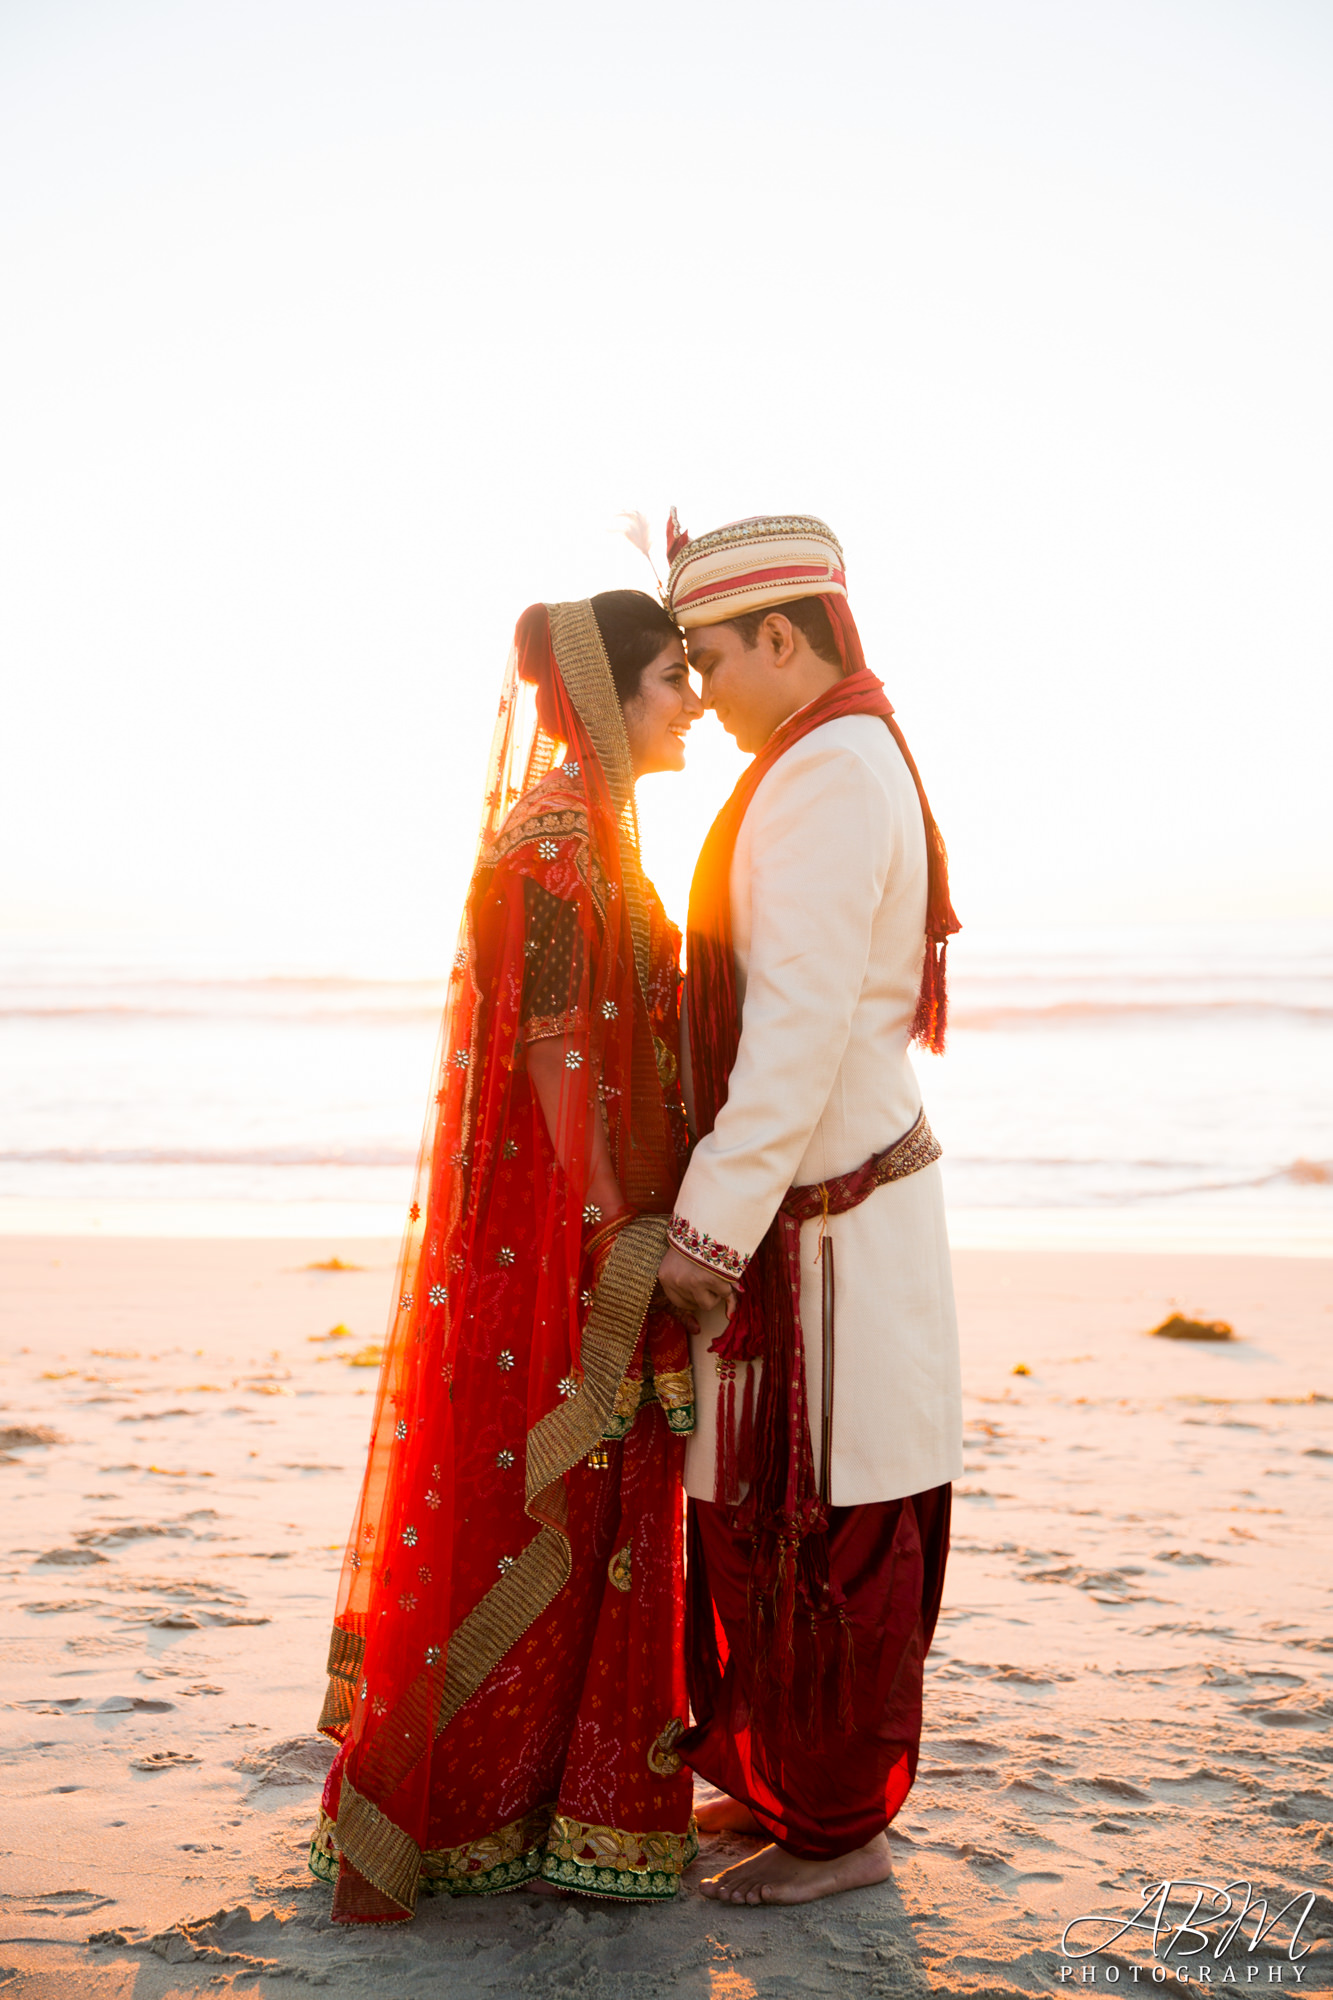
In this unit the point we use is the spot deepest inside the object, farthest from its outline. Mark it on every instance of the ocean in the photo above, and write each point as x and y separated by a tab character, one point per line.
1158	1087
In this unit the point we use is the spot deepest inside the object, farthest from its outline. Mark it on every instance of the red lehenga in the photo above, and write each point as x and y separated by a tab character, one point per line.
505	1676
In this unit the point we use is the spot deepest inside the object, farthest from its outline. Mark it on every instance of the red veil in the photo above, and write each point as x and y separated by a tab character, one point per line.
519	1307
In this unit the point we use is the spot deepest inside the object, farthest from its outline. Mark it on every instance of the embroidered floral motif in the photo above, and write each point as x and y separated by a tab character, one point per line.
432	1498
509	1150
674	1390
608	1861
409	1538
548	849
573	1059
455	1260
565	823
423	1574
571	770
356	1560
504	1255
505	1358
568	1386
414	1213
432	1656
585	1298
400	1429
460	1058
505	1564
610	1011
591	1212
407	1602
706	1249
405	1303
439	1296
505	1460
619	1569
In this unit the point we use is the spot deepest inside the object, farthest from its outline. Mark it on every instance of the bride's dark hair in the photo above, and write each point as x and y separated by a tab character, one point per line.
634	629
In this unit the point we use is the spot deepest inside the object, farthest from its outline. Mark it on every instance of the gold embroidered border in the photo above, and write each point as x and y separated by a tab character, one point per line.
347	1650
324	1849
381	1851
586	672
674	1391
610	1847
576	641
450	1866
525	829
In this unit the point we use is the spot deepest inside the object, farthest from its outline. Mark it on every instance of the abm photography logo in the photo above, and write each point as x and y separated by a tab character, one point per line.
1199	1933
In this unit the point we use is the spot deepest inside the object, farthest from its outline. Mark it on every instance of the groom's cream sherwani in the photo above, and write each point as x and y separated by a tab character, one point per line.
828	899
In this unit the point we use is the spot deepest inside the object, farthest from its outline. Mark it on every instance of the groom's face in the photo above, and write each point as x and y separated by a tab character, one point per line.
740	683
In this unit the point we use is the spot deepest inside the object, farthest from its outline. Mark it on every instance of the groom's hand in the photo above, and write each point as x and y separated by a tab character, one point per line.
693	1288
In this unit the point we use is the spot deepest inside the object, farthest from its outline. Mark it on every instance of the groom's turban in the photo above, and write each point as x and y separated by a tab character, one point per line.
751	564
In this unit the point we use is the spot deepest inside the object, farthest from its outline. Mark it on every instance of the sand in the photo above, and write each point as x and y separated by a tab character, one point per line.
1133	1677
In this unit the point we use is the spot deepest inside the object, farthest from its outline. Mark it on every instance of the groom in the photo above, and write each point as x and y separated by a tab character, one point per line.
809	1239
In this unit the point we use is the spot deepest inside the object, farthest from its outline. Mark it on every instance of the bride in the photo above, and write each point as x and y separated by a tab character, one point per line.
505	1674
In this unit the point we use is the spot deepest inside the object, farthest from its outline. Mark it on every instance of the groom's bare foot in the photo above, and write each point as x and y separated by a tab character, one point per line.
771	1876
722	1814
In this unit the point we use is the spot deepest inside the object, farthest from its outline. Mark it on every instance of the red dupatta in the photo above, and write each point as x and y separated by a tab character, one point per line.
506	1264
774	1449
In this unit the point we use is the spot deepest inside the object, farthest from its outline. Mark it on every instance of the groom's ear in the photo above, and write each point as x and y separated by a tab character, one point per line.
777	637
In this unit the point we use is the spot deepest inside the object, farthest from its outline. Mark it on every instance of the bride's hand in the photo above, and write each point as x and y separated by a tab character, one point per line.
693	1288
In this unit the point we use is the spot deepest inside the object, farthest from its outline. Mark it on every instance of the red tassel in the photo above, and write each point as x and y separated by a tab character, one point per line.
725	1490
846	1673
932	1005
745	1443
782	1650
814	1716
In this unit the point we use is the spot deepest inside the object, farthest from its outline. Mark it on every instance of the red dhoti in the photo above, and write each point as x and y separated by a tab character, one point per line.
820	1774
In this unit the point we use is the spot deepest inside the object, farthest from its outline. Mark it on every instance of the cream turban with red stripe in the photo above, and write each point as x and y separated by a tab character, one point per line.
747	565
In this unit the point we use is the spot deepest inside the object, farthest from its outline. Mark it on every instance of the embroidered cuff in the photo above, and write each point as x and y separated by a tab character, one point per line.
706	1249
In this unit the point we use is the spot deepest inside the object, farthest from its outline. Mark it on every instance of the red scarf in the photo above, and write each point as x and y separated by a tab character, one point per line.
782	1511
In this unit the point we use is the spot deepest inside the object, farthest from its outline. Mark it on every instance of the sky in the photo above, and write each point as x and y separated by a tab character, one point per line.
333	332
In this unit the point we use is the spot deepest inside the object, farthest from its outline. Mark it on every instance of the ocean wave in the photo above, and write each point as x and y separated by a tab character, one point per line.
966	1015
1077	1013
108	1010
388	1155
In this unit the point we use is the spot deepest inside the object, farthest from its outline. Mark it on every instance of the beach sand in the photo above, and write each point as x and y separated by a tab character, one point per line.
1133	1675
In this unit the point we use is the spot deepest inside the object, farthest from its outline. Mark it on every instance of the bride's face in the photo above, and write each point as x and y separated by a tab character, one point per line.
658	716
